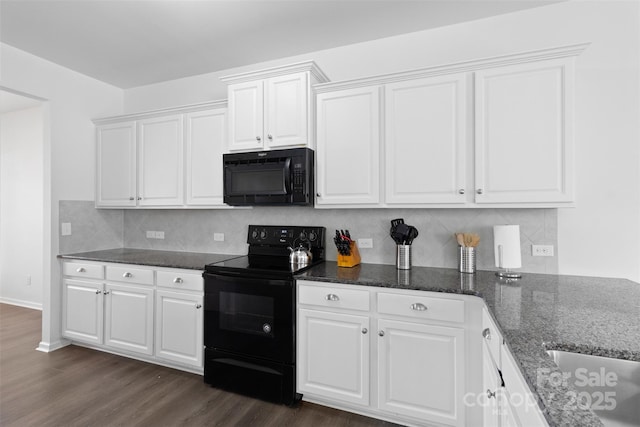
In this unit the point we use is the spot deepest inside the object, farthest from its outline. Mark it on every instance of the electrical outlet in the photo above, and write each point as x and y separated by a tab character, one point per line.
365	243
151	234
159	234
218	237
542	250
66	229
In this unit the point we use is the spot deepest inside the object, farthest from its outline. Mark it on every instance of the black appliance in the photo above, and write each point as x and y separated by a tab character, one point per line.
250	314
277	177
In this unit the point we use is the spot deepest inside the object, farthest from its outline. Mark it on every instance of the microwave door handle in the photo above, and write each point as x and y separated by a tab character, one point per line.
287	175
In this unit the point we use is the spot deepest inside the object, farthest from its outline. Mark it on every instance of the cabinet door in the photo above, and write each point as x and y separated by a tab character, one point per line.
425	140
116	165
82	308
160	164
421	371
348	147
246	116
333	355
286	113
206	138
524	147
491	394
179	320
129	318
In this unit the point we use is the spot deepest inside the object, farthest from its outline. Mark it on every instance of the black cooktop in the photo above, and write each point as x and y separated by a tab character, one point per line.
269	254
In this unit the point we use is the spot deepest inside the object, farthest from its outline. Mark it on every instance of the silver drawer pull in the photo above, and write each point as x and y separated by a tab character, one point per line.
98	292
365	330
81	270
127	275
332	297
199	306
106	292
491	394
486	334
178	280
418	306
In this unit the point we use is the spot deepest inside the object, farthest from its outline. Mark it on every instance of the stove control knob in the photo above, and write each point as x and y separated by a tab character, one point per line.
303	236
254	234
263	234
312	236
266	328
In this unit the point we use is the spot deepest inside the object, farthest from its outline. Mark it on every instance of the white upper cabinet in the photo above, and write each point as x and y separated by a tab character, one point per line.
116	164
246	116
170	158
205	141
348	153
425	140
273	108
160	164
524	141
495	132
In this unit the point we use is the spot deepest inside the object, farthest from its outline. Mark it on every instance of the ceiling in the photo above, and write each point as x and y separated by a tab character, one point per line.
131	43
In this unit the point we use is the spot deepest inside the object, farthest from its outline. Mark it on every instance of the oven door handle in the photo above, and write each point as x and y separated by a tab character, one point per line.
287	175
236	277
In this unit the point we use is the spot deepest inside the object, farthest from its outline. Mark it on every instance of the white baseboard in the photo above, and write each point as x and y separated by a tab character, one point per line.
21	303
46	347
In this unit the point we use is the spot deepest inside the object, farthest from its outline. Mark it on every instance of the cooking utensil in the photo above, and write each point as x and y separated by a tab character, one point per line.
300	256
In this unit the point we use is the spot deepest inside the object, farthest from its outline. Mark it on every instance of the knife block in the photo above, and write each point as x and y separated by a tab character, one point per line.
350	260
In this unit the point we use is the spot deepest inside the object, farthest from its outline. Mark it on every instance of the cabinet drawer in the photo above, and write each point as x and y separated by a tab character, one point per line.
179	280
80	269
491	337
328	296
129	274
422	307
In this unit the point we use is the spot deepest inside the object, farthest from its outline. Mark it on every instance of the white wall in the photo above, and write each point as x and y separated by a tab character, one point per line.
72	100
21	207
601	236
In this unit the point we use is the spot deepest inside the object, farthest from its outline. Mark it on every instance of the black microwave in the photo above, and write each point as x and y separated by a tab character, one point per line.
278	177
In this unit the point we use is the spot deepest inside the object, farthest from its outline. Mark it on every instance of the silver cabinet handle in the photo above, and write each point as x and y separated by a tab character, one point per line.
81	270
132	198
127	275
139	198
418	306
479	191
381	333
461	191
318	195
365	330
258	138
178	280
490	394
486	334
332	297
270	137
98	292
198	306
106	292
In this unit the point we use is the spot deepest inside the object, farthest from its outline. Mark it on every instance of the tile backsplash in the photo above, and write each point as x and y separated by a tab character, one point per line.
193	230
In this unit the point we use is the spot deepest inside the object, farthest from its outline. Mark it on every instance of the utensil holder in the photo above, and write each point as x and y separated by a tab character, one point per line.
403	257
352	259
466	259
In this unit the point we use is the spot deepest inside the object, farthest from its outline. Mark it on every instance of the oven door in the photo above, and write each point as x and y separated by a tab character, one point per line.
269	178
250	316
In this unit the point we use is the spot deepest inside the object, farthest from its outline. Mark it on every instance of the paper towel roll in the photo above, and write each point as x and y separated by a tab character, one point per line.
507	237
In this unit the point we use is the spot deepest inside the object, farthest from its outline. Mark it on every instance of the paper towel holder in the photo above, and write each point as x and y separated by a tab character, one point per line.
505	272
506	239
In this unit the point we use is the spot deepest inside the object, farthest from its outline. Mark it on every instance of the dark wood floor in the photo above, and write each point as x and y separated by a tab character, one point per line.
75	386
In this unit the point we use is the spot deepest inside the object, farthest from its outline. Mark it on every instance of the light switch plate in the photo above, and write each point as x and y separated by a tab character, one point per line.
365	243
151	234
159	234
66	229
218	237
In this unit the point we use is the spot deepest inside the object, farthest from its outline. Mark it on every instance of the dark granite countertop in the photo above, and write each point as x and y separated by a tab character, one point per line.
171	259
539	312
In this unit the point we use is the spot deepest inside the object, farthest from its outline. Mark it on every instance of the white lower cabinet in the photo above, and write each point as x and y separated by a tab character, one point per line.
421	371
82	311
149	313
179	327
129	318
387	353
333	354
